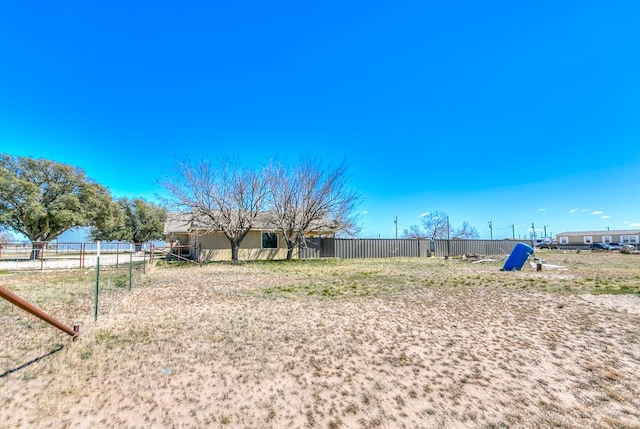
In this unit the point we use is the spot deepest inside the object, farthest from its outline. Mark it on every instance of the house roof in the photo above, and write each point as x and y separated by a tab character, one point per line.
612	232
177	223
183	223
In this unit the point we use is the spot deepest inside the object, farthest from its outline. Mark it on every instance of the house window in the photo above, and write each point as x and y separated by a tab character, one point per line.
606	239
587	239
629	239
564	240
269	240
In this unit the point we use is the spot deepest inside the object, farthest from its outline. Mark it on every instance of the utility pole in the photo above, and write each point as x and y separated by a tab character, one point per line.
396	222
448	238
491	229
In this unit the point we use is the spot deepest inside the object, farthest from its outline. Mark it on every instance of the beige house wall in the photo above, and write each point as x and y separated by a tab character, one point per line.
578	240
216	247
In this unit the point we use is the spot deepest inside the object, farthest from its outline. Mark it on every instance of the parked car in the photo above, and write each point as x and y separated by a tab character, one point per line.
599	247
615	246
545	243
548	244
620	246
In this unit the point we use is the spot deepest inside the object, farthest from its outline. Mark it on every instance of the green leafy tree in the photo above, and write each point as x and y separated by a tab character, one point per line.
41	199
139	221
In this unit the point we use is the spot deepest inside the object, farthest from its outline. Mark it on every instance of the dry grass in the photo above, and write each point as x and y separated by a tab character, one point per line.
414	343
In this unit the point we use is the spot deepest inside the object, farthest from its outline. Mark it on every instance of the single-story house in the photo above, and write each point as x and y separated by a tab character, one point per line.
201	242
582	239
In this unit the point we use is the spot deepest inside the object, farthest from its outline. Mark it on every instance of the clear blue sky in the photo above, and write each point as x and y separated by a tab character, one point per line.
510	112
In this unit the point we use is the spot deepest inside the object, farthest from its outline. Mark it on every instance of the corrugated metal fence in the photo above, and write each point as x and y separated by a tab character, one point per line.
390	248
476	247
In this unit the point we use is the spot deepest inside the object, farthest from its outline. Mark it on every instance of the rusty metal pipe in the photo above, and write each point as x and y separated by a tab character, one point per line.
30	308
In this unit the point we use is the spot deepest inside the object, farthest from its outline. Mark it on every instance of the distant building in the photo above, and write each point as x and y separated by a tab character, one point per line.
583	239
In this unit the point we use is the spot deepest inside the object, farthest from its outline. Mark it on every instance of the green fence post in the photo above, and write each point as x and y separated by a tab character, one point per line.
95	309
130	265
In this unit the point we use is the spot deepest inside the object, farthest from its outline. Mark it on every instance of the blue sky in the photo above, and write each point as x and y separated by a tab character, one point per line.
489	111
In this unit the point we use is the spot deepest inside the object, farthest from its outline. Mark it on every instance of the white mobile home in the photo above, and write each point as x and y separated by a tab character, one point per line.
583	239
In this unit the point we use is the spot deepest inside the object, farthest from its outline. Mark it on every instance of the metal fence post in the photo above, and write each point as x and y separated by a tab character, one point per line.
41	255
130	265
30	308
95	309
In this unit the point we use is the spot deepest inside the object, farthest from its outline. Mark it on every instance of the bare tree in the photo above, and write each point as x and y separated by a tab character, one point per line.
5	237
310	198
435	225
466	231
227	198
414	231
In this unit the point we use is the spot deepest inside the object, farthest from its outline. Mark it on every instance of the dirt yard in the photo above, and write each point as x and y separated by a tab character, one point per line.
394	343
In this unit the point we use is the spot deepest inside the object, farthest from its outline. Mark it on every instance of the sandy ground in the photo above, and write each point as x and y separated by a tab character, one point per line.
219	353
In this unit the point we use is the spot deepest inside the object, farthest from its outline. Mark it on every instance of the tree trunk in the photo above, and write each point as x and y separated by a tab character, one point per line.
36	248
290	247
234	250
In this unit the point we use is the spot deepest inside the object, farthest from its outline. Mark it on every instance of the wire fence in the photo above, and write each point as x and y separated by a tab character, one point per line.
46	285
54	255
50	280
